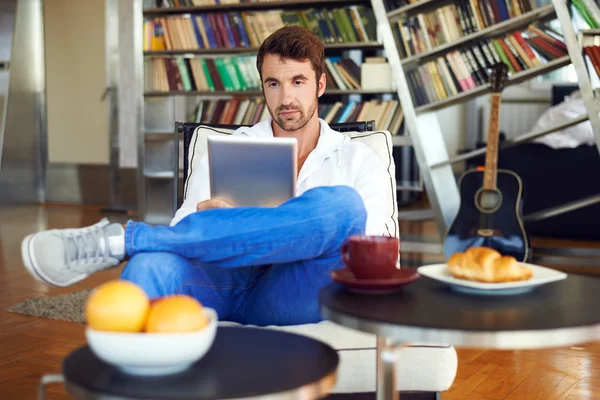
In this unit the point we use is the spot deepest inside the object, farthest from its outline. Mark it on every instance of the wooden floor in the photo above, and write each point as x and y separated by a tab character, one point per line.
31	347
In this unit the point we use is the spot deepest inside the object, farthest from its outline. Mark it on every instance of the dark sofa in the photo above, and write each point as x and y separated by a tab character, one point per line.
552	177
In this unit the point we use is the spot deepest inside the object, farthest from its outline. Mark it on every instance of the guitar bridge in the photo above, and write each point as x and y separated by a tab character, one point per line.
485	232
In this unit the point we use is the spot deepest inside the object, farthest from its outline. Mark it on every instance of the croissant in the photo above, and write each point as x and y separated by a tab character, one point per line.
484	264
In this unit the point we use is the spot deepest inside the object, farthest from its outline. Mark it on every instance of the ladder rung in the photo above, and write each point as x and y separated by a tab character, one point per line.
408	186
401	140
543	259
563	208
564	251
513	142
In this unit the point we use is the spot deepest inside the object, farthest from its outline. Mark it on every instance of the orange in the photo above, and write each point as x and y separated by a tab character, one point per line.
176	313
118	306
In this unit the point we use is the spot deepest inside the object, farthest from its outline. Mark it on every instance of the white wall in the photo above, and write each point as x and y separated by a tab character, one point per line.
75	67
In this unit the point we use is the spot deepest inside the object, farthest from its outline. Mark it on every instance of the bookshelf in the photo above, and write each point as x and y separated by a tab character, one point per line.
162	105
508	25
430	65
485	89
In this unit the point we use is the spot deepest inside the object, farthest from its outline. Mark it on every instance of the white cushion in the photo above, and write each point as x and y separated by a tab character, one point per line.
424	367
379	141
418	369
199	146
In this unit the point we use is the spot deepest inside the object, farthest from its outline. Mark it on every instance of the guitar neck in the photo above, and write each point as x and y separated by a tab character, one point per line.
491	155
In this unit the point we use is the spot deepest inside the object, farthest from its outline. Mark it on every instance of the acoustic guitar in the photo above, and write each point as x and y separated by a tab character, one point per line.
490	199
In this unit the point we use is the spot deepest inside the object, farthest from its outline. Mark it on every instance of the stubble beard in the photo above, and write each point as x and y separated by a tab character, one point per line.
299	120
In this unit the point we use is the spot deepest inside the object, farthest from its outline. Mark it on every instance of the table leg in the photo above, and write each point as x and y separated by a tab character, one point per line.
46	379
386	370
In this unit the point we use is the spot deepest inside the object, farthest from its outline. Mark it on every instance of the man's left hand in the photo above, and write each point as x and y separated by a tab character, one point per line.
212	203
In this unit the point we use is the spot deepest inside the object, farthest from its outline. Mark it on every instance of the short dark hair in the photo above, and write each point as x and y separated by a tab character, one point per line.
296	43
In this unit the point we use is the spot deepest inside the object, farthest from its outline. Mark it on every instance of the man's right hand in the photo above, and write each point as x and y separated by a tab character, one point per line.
212	203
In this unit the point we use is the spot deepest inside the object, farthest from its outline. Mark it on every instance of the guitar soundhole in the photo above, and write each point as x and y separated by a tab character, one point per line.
488	201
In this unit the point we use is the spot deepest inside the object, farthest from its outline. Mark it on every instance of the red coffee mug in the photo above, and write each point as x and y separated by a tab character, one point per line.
371	257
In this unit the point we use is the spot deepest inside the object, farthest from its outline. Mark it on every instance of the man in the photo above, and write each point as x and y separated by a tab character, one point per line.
253	265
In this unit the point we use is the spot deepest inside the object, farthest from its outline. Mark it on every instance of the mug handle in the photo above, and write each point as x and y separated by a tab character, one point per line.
345	253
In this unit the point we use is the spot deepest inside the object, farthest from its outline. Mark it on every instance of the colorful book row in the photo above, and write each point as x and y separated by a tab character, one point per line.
230	111
205	74
167	74
342	73
354	24
587	9
426	31
593	54
197	3
387	114
481	5
467	68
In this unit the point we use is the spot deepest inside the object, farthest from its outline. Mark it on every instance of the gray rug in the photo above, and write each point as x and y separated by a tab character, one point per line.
64	307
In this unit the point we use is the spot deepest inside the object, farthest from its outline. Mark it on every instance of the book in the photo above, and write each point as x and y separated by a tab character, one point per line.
468	67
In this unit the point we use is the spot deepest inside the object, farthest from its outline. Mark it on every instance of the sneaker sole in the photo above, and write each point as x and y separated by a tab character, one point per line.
30	265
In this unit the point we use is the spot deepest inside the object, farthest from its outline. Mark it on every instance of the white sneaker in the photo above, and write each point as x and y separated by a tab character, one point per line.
62	257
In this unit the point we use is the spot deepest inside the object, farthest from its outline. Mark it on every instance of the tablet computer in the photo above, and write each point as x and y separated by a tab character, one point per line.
248	171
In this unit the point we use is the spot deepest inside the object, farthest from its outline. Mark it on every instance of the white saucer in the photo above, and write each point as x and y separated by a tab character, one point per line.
541	276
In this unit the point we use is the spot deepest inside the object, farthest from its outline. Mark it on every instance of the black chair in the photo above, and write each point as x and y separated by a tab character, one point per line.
186	130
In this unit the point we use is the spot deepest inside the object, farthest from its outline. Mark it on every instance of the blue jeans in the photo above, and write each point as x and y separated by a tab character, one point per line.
260	266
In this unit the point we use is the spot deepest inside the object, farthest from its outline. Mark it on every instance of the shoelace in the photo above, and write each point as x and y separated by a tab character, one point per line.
84	247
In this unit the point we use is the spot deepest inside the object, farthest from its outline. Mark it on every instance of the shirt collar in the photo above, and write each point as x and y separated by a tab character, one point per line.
329	140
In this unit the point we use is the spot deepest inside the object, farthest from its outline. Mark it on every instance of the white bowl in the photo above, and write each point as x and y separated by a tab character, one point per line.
153	353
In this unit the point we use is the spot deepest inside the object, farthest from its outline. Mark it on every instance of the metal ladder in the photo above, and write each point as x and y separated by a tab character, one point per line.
427	137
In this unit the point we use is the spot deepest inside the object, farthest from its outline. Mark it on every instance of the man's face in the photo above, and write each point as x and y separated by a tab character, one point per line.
291	91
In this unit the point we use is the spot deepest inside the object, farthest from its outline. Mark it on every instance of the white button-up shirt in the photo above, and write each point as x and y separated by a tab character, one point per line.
336	160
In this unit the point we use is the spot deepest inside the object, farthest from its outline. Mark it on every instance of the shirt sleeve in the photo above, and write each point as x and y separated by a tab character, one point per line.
374	185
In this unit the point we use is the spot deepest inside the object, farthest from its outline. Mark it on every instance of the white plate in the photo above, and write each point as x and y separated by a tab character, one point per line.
541	276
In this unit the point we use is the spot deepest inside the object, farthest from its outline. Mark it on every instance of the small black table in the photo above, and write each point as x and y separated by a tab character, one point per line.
242	363
557	314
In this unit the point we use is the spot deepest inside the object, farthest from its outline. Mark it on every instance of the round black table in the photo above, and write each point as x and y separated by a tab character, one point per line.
561	313
242	363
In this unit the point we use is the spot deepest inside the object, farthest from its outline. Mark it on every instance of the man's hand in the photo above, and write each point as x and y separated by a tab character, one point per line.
212	203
